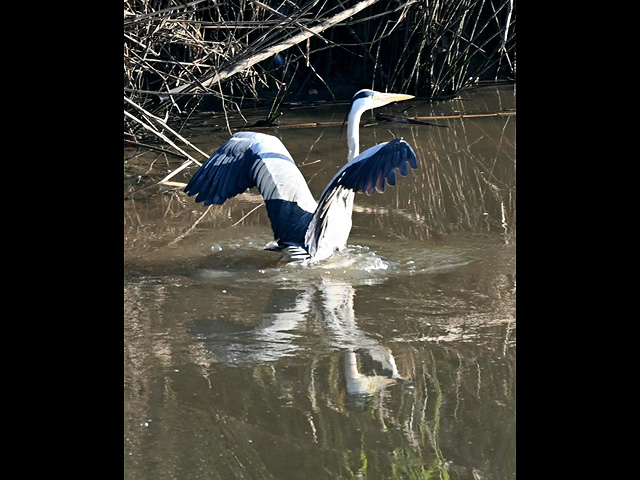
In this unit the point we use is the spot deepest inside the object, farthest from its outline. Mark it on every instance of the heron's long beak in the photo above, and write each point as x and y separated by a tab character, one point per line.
391	97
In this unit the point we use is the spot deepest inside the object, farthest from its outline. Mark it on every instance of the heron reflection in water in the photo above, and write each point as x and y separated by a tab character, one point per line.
309	231
331	302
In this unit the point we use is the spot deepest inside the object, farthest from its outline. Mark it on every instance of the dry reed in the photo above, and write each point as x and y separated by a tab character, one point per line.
177	54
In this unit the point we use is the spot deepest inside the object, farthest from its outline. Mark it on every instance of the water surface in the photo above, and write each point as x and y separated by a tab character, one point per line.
393	359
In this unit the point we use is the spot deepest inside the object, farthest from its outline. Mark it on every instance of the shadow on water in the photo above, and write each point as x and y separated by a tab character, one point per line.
393	359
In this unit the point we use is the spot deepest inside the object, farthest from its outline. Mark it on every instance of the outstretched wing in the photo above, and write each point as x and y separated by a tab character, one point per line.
368	173
251	159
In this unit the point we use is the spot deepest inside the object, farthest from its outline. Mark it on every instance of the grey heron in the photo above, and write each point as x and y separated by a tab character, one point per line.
311	231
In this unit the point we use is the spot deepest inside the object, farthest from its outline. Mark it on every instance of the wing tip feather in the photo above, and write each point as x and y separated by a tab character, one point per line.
399	155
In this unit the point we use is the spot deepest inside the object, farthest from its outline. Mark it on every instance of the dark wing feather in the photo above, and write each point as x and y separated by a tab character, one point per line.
225	174
251	159
371	170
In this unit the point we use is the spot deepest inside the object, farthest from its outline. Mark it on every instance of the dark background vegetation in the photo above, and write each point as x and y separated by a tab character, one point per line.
428	48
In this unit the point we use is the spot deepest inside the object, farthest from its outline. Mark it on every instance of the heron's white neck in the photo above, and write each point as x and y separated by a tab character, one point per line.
353	133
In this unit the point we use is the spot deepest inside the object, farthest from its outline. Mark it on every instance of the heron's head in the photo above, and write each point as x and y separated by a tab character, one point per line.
362	101
366	99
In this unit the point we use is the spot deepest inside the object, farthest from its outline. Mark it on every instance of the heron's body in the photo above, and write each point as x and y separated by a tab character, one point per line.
314	230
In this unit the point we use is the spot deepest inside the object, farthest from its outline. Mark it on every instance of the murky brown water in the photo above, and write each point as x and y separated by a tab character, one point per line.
394	359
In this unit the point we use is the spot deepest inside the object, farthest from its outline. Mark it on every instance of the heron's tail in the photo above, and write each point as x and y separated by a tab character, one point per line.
297	254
